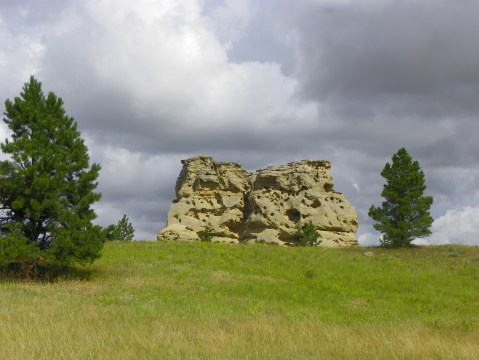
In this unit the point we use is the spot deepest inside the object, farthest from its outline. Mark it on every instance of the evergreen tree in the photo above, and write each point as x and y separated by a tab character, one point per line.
109	232
122	231
47	186
404	214
206	235
309	235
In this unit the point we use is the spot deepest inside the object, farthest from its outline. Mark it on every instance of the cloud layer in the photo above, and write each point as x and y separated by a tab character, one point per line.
260	83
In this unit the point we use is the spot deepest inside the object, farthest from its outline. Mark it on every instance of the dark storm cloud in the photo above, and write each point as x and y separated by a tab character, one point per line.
396	73
404	57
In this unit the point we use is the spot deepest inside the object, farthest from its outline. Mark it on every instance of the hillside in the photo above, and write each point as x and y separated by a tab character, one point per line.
170	300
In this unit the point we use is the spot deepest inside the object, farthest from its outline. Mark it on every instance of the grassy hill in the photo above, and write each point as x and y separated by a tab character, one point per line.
171	300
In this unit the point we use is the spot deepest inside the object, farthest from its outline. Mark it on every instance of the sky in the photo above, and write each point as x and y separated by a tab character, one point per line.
260	83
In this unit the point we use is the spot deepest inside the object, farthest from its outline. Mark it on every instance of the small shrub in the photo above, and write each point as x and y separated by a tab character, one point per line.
206	235
309	235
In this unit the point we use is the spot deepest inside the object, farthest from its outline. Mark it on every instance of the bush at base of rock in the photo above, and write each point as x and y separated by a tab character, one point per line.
309	235
206	235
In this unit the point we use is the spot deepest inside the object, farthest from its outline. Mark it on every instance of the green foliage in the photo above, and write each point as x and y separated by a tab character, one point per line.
404	214
47	186
109	232
206	235
122	231
309	235
16	247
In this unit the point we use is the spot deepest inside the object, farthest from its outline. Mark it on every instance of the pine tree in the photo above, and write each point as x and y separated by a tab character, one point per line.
404	215
123	231
309	235
47	186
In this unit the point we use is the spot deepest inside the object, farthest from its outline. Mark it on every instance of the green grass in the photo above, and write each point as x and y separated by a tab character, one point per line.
173	300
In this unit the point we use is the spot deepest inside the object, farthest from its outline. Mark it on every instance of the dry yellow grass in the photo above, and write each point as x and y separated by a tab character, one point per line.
183	301
92	332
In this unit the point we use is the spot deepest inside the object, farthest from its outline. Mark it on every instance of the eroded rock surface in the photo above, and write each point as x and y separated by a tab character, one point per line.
269	206
283	199
209	194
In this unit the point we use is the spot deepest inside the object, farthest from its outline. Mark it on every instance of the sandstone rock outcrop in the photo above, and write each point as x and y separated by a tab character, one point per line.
209	194
269	206
283	199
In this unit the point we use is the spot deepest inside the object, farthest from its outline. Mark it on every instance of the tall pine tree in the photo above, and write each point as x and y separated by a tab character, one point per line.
404	214
47	186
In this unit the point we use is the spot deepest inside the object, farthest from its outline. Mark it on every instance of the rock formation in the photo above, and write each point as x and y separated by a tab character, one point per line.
269	206
283	199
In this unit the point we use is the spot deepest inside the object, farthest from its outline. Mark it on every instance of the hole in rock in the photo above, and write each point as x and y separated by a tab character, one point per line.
293	215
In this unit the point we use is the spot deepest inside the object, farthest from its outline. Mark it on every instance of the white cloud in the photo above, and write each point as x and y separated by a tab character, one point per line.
20	55
161	63
138	185
356	186
457	226
368	239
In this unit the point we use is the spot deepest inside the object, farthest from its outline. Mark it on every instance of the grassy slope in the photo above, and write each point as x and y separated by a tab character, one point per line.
195	300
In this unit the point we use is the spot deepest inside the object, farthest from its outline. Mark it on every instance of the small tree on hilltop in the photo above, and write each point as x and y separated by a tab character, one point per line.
404	214
47	187
122	231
